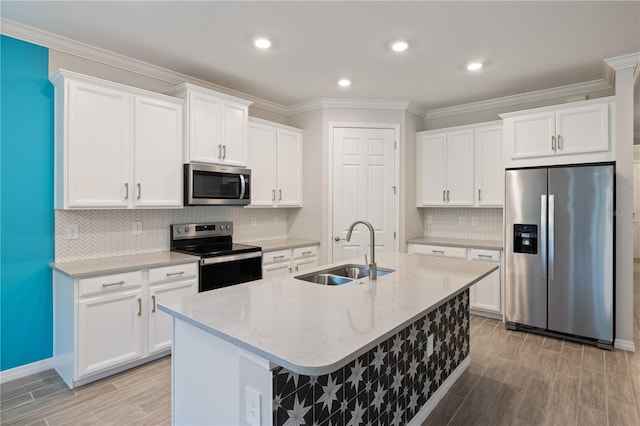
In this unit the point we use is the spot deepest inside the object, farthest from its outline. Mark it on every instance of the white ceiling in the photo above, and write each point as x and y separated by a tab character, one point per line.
527	46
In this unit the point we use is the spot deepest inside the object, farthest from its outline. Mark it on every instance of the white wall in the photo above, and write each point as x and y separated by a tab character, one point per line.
412	216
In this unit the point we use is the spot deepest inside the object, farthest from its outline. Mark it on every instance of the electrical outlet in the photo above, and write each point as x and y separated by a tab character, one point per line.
253	221
429	220
71	232
429	345
474	221
252	415
461	220
136	228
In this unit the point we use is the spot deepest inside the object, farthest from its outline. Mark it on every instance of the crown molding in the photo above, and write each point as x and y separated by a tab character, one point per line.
611	65
392	104
96	54
507	101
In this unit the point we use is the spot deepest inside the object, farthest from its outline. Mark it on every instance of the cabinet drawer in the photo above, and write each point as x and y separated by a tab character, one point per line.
276	256
305	252
440	251
107	283
173	272
486	255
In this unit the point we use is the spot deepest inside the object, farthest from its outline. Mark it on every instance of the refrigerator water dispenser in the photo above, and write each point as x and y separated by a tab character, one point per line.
525	238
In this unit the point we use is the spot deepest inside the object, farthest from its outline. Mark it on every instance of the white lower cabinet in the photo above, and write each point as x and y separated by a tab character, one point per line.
485	296
105	324
288	261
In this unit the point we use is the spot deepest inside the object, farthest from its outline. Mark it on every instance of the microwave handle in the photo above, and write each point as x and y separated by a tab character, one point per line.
242	186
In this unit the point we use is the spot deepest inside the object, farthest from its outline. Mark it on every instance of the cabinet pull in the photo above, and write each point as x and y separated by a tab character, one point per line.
126	191
278	257
443	195
558	143
153	303
224	151
290	270
139	307
479	196
139	190
112	284
448	196
219	151
304	253
280	199
273	195
296	269
437	251
553	142
170	274
484	256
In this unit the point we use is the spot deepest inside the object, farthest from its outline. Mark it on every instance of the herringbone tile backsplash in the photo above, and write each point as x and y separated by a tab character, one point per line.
104	233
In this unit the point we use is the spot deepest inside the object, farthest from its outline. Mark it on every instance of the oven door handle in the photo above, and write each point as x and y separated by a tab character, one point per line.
243	186
230	258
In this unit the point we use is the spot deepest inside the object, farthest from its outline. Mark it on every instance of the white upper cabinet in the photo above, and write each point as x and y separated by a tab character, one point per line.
275	160
460	166
215	126
489	167
573	133
115	146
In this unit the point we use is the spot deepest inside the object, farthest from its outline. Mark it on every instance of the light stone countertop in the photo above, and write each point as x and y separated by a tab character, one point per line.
116	264
281	244
456	242
314	329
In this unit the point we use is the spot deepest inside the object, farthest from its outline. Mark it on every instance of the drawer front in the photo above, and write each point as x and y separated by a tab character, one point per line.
485	255
444	251
276	256
173	272
108	283
308	251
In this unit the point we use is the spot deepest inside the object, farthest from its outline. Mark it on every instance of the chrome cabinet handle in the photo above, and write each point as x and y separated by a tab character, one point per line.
479	195
224	151
280	199
443	195
219	151
448	196
126	191
304	253
484	256
558	143
139	190
170	274
153	302
112	284
553	142
437	251
273	195
296	269
278	257
290	270
139	307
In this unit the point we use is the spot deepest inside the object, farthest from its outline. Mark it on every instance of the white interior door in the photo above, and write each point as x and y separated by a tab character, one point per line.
364	188
636	209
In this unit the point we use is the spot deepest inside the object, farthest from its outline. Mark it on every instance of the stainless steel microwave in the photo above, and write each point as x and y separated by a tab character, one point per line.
210	184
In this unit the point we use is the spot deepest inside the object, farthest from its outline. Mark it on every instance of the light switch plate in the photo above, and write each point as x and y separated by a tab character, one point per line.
429	220
461	220
474	221
429	345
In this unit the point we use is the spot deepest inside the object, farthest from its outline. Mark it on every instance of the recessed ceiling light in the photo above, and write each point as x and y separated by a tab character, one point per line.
474	66
399	46
344	82
262	43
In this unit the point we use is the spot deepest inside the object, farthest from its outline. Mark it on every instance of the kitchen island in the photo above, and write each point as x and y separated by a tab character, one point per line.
284	350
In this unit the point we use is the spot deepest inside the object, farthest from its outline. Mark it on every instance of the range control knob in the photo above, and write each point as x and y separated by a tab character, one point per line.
186	229
178	230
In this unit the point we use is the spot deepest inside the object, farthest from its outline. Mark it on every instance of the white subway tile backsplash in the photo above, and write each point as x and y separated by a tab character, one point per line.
464	223
103	233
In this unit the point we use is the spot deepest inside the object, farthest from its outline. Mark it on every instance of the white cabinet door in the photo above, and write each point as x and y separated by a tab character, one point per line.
205	145
234	133
289	170
276	269
109	331
261	159
532	135
98	143
431	161
489	167
157	153
160	324
459	181
582	129
485	294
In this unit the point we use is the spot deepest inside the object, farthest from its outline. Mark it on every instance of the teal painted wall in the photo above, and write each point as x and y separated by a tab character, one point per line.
26	209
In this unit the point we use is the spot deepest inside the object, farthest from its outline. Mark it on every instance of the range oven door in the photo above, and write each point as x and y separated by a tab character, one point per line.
209	184
224	271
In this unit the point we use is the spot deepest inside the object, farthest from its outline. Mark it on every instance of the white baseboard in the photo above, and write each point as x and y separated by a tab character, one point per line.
625	345
26	370
427	408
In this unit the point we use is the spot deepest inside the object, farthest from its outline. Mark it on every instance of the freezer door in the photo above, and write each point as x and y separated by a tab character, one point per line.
581	251
525	273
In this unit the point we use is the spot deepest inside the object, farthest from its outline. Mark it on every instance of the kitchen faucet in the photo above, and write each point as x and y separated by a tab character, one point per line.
373	268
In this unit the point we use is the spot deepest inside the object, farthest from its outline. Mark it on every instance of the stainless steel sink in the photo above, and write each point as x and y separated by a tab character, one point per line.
341	274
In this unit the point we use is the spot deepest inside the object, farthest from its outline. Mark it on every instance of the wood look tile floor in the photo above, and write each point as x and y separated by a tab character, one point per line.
515	378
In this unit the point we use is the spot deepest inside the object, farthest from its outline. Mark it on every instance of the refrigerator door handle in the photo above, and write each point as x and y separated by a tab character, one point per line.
543	235
551	237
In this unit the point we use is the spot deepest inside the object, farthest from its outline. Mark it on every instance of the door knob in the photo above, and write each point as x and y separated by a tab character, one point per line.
337	238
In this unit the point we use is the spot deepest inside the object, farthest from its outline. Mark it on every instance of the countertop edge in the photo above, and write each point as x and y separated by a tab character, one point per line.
281	244
488	244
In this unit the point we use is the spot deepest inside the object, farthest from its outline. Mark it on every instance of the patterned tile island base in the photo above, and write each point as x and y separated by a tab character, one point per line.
388	385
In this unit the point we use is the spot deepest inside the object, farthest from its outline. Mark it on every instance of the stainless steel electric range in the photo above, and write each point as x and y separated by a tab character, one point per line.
222	262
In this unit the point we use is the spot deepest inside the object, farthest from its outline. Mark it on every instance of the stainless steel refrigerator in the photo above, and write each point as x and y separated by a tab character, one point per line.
559	251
